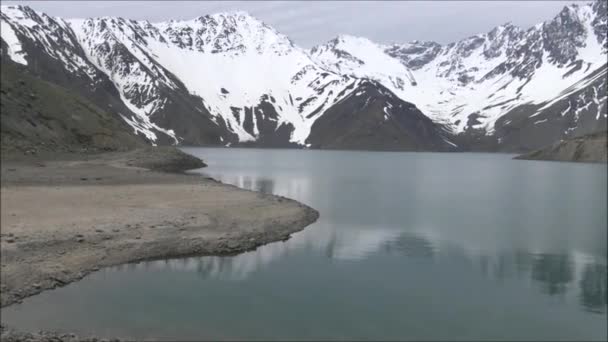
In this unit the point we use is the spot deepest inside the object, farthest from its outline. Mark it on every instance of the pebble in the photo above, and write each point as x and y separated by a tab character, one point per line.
36	285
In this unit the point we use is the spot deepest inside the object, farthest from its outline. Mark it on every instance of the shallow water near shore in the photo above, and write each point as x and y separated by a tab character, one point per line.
408	246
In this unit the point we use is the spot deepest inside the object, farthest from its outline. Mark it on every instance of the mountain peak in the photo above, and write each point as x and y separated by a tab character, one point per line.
237	14
345	36
351	38
15	9
422	43
18	7
508	24
348	41
228	15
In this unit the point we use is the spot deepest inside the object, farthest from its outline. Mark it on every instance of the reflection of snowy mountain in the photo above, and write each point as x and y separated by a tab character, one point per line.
340	243
576	275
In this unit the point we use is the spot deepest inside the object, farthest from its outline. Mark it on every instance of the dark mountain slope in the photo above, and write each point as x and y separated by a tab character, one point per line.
53	52
373	118
40	116
581	112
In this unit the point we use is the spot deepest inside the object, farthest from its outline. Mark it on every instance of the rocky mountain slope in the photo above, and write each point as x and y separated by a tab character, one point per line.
588	148
39	116
228	79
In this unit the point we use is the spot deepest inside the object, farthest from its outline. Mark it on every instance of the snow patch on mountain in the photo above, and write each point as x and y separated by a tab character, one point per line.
14	49
362	58
143	125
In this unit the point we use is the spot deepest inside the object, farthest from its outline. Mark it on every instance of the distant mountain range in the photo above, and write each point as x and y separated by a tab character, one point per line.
229	79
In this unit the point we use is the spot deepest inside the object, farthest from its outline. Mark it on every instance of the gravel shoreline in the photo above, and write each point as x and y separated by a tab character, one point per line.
54	232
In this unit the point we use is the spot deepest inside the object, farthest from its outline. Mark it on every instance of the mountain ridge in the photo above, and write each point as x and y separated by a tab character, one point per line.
229	78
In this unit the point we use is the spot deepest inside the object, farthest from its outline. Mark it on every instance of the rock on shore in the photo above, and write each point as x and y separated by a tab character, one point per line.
588	148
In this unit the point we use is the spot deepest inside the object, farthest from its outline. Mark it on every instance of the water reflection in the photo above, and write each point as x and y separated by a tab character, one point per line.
332	242
342	234
293	187
410	245
554	272
593	288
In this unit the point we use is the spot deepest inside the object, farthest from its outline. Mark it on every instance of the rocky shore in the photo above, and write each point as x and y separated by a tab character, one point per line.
591	148
63	217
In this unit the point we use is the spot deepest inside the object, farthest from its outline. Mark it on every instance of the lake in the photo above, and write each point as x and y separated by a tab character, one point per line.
408	246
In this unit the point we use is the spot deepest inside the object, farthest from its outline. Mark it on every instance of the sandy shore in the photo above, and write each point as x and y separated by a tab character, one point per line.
61	220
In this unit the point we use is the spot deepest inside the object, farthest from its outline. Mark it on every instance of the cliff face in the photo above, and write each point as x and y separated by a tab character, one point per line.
589	148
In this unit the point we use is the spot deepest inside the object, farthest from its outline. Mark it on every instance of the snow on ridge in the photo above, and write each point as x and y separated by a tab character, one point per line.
19	13
362	58
237	52
143	124
465	77
228	70
14	47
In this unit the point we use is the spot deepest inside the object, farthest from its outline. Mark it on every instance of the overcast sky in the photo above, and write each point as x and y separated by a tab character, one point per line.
313	22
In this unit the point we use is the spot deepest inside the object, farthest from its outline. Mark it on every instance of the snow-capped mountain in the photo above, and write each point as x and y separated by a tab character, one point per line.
472	84
229	78
247	74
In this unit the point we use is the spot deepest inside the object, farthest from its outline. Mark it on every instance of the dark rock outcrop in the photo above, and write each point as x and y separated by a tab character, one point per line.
588	148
